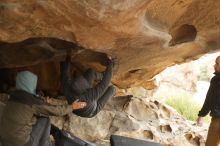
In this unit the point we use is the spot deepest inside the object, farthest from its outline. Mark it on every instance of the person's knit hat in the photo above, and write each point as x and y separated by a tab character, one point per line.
26	81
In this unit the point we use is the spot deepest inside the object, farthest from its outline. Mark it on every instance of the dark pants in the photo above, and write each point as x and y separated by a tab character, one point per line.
40	135
97	105
110	92
81	88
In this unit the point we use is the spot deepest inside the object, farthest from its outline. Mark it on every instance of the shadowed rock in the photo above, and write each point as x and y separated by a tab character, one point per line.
33	51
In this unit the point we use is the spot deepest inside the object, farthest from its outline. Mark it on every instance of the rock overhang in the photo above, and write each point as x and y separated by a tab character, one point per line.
144	36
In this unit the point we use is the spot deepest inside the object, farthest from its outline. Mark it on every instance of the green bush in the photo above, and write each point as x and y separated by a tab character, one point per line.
186	107
203	75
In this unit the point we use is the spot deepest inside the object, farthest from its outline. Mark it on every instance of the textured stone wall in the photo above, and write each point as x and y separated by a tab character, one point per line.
134	117
137	118
145	36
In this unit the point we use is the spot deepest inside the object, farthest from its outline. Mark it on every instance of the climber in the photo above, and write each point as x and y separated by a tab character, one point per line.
25	121
82	88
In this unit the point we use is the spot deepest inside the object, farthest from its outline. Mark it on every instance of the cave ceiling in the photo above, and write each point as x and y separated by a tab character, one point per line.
144	36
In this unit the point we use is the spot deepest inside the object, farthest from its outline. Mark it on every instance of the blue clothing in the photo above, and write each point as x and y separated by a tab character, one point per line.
26	81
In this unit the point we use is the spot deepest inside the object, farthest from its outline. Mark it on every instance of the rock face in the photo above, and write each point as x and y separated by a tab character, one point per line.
145	36
133	117
136	118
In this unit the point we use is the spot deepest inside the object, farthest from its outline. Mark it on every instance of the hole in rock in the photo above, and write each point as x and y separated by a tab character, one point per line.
183	34
165	128
148	134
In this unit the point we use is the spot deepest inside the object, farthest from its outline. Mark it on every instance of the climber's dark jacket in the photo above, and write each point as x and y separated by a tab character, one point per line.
212	101
80	88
